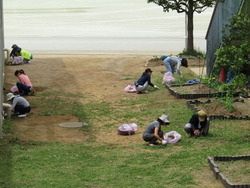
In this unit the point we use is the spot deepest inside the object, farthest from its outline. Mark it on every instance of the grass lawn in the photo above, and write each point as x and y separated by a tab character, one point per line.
111	165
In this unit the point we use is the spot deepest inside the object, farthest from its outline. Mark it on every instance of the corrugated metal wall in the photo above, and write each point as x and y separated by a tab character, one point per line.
222	12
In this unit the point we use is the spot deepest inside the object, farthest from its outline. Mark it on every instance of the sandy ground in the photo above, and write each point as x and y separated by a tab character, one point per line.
97	78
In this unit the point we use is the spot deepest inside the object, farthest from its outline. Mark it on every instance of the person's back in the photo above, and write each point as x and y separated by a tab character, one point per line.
25	80
151	127
18	100
25	54
143	79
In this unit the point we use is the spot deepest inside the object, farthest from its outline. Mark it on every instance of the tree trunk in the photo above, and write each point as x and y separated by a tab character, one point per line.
190	15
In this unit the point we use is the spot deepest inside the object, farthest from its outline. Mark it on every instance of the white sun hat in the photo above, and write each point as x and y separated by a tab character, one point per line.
164	118
10	96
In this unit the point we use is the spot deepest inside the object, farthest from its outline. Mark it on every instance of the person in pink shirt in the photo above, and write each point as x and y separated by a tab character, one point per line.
25	85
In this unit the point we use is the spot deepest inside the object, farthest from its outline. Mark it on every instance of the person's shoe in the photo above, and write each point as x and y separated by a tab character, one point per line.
22	115
153	144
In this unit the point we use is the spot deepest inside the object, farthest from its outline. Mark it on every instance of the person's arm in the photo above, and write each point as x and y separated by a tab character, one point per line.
151	84
178	69
156	134
193	121
14	102
203	125
149	81
12	54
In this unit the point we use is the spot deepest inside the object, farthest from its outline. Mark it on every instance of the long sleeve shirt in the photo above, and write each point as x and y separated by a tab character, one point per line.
196	124
145	78
25	80
18	100
175	62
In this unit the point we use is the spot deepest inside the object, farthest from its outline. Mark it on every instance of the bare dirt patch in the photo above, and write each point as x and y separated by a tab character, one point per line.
96	77
233	170
215	107
194	89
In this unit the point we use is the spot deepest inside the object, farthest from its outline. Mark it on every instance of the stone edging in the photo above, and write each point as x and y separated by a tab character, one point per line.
219	176
191	105
194	95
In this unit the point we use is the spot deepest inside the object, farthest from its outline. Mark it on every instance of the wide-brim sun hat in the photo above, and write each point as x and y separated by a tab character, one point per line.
202	115
10	96
164	118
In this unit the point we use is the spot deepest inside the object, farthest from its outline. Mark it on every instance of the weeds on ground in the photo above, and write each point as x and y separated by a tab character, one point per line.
95	164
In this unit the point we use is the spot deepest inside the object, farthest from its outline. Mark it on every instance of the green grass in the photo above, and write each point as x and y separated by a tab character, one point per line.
95	164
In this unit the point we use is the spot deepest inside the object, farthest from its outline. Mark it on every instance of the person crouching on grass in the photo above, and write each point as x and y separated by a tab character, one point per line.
198	125
144	81
153	131
19	104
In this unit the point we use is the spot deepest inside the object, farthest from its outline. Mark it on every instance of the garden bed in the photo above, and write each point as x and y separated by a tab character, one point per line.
231	166
194	91
217	110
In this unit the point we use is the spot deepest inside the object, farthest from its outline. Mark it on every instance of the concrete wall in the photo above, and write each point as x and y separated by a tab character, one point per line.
222	12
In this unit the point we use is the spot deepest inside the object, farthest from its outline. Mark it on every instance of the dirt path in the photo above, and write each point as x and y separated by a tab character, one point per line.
97	78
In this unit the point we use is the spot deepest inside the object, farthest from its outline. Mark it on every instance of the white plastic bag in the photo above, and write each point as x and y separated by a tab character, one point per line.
127	129
172	137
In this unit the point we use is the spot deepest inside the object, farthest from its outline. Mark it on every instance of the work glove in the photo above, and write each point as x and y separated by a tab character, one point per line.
196	133
156	87
164	142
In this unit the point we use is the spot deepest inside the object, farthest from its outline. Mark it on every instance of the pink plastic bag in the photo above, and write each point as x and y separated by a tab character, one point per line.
172	137
130	89
168	78
127	129
14	89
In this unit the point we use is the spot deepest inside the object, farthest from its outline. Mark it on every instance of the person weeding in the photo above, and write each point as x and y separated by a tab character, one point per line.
153	131
198	125
174	63
144	81
19	104
17	51
25	85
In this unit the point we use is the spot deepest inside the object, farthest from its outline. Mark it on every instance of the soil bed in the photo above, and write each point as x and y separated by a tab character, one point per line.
233	170
214	107
194	89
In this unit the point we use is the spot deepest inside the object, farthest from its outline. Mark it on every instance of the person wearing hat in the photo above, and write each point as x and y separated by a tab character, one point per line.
17	51
144	81
153	131
174	63
19	104
198	125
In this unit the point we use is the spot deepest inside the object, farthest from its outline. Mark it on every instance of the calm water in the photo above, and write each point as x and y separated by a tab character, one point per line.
98	27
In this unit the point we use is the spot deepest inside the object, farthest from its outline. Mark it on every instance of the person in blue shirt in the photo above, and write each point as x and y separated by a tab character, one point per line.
144	81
